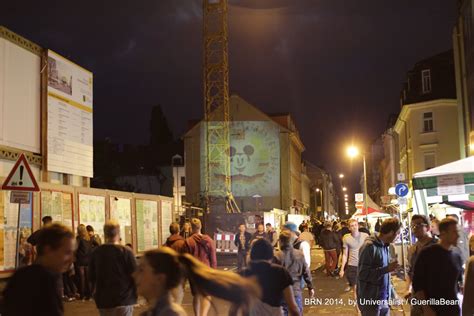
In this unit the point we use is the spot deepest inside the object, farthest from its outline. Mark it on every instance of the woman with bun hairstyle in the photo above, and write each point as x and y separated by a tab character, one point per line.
162	270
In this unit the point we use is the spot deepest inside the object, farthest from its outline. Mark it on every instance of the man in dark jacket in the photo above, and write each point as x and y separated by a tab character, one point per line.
110	271
293	260
329	241
260	233
373	272
175	241
242	242
202	247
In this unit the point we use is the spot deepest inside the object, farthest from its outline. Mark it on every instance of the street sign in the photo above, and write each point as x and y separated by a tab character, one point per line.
401	176
359	205
401	189
402	201
359	197
22	197
20	177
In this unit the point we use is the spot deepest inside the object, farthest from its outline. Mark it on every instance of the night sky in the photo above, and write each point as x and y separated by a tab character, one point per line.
337	66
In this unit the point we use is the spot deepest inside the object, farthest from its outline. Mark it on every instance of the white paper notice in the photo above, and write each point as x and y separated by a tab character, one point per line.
70	148
451	184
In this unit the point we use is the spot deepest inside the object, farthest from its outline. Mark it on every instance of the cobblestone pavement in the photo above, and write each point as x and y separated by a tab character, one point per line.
330	296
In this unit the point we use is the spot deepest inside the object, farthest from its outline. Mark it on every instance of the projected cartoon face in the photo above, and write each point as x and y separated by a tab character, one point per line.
254	158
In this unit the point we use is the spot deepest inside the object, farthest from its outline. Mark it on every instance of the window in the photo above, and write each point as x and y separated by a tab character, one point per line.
430	160
183	181
428	122
426	80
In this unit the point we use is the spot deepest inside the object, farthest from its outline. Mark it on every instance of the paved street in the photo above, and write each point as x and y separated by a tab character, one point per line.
330	291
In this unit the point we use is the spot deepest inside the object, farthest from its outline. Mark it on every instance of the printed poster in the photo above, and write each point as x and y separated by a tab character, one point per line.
58	205
121	210
92	212
147	224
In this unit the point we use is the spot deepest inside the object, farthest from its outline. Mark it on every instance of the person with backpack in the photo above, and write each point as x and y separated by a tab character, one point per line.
202	247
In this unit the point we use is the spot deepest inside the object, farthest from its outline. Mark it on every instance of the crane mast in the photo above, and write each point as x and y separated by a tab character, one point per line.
216	106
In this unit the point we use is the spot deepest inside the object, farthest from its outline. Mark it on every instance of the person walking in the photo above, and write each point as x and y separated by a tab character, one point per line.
299	243
462	246
83	255
420	227
33	238
329	242
293	260
163	269
33	290
260	233
186	231
438	272
202	247
274	280
242	242
271	234
468	299
94	238
350	253
175	241
111	268
307	236
373	284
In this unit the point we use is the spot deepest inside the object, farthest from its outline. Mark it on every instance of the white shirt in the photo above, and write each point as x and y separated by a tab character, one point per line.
306	249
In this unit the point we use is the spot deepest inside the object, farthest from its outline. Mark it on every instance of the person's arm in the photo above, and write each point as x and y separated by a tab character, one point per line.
305	248
369	273
345	254
212	255
290	301
308	279
236	240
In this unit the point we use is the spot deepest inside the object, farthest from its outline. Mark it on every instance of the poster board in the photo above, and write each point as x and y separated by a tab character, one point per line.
69	129
166	218
59	206
147	224
8	229
92	212
121	211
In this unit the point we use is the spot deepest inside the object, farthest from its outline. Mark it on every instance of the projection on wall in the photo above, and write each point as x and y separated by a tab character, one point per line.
255	159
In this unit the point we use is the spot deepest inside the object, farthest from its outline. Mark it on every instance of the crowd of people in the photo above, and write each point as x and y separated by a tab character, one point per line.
273	269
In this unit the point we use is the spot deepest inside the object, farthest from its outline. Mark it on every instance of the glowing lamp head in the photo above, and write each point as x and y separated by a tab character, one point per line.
344	189
317	190
341	176
352	151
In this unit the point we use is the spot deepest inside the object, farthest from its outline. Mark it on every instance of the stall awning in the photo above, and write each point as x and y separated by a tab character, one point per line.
459	171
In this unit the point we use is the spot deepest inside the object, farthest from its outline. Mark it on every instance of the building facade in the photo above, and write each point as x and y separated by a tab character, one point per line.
463	46
324	201
265	154
428	126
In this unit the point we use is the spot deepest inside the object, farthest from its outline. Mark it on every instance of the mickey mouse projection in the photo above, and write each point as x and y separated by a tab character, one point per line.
254	158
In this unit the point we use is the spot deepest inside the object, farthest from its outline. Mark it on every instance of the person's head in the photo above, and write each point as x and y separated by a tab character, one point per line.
304	227
435	226
47	220
420	226
162	270
186	227
90	230
269	227
328	226
82	232
292	228
112	231
453	216
196	225
354	226
344	224
174	228
260	228
362	225
242	228
448	231
55	248
129	246
286	240
261	250
389	230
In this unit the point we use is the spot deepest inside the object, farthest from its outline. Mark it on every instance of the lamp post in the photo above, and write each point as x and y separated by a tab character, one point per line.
353	152
321	198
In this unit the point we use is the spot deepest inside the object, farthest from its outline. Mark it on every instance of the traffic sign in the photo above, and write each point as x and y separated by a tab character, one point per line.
20	177
401	176
401	189
359	197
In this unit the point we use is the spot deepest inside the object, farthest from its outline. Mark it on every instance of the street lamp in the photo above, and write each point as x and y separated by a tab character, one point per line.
353	152
321	198
341	176
344	189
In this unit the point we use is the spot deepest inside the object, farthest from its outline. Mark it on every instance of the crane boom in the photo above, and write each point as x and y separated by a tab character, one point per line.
216	105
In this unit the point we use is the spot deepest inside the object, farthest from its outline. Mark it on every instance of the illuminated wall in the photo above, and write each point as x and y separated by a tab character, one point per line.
255	159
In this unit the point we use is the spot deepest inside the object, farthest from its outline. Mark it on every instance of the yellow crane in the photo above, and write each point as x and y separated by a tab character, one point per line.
216	106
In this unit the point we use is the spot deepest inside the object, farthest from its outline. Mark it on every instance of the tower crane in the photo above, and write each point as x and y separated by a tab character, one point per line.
218	178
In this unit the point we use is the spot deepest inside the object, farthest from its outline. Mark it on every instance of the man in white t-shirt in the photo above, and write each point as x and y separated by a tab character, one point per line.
306	235
350	253
302	245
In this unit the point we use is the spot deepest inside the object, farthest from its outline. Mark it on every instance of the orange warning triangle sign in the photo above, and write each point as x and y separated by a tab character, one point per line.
20	177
